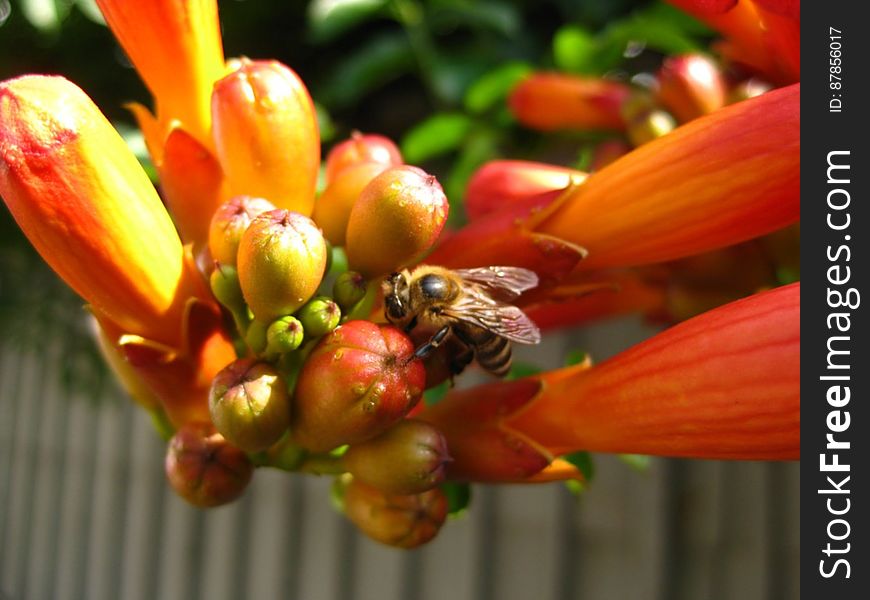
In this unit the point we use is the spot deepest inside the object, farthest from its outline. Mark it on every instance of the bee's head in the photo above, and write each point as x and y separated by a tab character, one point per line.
396	298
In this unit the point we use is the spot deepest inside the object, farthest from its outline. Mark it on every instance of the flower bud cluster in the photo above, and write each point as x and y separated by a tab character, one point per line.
318	388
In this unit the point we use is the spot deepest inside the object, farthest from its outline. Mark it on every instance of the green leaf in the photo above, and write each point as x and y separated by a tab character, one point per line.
575	357
328	19
499	17
521	369
583	461
480	147
638	462
45	15
575	50
90	10
377	62
493	87
436	394
458	497
324	123
439	134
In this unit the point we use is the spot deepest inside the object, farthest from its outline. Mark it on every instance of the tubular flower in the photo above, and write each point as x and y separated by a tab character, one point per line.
549	101
176	48
83	200
723	385
762	34
718	180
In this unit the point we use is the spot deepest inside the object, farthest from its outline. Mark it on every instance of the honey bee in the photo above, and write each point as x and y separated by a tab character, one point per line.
470	306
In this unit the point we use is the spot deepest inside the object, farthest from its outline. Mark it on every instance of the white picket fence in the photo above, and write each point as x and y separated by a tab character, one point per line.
85	514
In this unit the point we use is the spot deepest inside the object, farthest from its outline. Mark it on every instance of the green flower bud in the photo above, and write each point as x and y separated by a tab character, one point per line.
284	335
408	458
256	336
249	405
348	289
319	316
282	258
403	521
204	469
224	282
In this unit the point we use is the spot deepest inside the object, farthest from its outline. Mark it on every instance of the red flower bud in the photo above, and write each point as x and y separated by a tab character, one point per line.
691	85
361	148
204	469
395	520
395	221
357	382
281	260
408	458
249	405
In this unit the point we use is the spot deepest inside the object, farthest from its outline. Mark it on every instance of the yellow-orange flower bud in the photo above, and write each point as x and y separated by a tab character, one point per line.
281	260
82	199
359	148
332	209
396	219
266	136
228	224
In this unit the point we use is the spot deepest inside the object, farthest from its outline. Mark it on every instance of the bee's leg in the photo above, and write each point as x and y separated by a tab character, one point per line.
429	347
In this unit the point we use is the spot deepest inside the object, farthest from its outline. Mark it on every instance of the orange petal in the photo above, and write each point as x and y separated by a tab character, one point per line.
266	135
716	181
549	101
483	450
723	385
176	48
192	183
501	182
691	85
84	202
180	378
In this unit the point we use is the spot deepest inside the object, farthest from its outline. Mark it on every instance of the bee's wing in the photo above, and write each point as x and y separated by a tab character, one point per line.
504	282
504	320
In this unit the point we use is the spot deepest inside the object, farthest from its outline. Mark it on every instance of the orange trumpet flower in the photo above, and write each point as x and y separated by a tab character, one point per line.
723	385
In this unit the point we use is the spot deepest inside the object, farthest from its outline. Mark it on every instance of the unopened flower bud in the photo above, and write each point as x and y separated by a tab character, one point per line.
748	89
282	258
349	288
284	335
266	137
408	458
361	148
403	521
691	85
649	126
357	382
228	224
332	209
551	101
204	469
224	283
249	404
319	316
255	336
396	219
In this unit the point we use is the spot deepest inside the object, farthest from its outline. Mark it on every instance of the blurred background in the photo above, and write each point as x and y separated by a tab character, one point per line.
84	509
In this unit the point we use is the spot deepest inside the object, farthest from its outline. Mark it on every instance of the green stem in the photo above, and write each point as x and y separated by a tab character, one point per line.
322	464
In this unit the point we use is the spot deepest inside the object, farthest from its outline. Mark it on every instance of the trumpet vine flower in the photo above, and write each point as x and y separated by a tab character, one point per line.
237	151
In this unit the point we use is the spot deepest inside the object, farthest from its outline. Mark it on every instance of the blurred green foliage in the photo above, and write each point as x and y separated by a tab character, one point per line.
432	74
